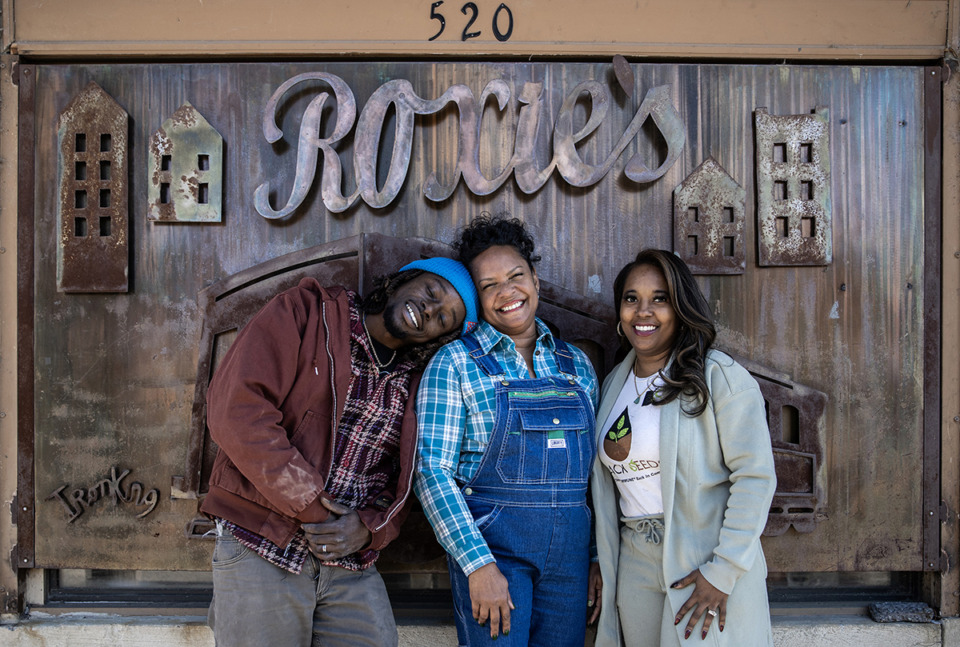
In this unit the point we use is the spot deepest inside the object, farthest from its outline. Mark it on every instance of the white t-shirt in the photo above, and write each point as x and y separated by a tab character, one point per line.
632	433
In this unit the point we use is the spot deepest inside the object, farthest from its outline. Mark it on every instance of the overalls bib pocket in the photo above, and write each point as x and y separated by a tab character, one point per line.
546	446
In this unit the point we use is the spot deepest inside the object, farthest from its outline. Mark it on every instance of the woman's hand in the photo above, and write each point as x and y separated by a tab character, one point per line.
705	598
490	598
594	592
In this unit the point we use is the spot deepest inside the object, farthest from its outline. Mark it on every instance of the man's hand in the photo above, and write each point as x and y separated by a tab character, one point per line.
340	535
490	598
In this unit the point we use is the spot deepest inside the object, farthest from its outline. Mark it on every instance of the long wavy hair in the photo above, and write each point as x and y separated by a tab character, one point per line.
376	302
684	374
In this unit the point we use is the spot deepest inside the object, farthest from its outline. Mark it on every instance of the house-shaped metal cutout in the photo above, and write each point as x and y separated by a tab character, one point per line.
794	219
708	221
93	207
185	170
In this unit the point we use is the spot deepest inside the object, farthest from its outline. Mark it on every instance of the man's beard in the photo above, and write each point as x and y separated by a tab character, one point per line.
390	321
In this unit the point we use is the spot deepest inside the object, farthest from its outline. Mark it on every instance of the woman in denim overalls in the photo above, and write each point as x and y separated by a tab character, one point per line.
506	421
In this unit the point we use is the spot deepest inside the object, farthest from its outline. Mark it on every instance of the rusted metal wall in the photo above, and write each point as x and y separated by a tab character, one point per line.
115	373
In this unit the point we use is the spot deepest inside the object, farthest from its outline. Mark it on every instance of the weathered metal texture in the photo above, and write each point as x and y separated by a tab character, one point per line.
794	213
185	170
934	558
93	254
708	221
621	69
796	416
114	376
25	510
354	263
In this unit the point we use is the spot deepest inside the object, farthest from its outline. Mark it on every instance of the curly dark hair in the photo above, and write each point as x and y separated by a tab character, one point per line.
486	231
376	302
696	333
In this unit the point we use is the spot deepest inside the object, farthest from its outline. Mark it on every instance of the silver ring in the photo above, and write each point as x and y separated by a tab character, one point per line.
323	549
712	612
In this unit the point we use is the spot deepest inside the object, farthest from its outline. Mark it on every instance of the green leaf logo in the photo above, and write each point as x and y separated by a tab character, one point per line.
620	428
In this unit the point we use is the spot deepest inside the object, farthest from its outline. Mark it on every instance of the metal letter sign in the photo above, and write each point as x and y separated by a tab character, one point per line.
399	93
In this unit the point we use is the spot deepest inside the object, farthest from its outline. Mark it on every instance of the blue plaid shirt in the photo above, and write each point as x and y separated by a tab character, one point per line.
456	407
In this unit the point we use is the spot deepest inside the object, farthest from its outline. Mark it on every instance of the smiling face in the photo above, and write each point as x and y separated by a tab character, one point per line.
421	310
508	287
647	317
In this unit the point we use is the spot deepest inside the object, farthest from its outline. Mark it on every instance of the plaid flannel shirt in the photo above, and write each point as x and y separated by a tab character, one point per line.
366	448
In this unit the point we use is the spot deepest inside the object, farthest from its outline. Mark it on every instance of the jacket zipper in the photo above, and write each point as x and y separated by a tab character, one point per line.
398	504
326	344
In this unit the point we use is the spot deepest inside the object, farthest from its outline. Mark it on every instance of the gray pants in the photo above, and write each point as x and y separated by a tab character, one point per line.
646	617
256	604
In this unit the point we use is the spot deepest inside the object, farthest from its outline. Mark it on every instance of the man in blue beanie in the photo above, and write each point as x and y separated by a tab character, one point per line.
313	412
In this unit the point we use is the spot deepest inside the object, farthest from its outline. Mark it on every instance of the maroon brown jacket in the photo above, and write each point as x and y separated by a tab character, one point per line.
274	406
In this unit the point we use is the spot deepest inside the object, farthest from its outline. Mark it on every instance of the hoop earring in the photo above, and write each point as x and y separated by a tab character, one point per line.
619	330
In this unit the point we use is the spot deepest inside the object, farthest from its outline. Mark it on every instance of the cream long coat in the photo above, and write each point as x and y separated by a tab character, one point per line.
718	480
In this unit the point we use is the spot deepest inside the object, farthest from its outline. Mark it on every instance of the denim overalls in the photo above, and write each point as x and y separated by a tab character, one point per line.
529	500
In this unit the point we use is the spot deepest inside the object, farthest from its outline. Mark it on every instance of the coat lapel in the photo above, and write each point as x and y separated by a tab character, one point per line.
610	392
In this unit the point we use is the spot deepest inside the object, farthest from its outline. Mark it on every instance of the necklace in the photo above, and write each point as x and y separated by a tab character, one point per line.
373	349
637	389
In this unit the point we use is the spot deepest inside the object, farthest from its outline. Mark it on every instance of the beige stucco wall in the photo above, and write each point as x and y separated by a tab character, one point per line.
772	29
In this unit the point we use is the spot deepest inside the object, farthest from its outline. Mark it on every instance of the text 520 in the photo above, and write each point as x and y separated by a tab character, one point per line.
501	22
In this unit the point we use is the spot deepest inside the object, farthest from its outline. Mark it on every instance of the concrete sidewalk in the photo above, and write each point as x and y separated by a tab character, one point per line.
101	630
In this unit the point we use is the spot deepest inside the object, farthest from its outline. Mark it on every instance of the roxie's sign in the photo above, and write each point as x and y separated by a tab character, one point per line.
566	159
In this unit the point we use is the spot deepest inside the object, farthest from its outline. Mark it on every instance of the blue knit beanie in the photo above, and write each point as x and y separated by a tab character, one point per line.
458	276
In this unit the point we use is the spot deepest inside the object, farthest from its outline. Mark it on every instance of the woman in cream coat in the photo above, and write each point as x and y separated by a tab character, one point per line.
684	476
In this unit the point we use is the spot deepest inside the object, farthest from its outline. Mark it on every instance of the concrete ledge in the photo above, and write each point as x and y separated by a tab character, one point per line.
95	630
854	631
99	629
951	631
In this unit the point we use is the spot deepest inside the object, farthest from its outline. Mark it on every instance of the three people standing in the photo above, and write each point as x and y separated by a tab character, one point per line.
313	410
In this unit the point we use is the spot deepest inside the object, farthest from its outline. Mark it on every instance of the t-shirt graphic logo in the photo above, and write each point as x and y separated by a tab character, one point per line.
616	442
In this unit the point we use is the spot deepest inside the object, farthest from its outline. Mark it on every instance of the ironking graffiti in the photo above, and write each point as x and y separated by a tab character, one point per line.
400	94
79	500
